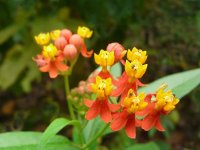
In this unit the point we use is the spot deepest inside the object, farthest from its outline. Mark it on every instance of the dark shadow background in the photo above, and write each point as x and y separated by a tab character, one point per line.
169	30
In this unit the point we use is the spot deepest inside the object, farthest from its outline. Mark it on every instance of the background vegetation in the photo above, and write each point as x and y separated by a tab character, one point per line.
169	30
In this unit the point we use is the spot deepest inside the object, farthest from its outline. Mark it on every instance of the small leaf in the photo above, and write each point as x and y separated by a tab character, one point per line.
149	146
180	83
57	125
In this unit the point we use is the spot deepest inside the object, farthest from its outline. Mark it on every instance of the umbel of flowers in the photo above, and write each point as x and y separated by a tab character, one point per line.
59	48
59	52
132	104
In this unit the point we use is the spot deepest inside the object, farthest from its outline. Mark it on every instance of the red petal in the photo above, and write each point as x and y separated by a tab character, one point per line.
122	62
139	83
131	127
88	103
93	110
53	72
114	107
117	92
138	123
105	112
86	53
61	66
119	121
149	122
44	68
159	126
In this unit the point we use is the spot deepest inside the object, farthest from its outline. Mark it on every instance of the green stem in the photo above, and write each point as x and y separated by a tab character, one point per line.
67	91
96	136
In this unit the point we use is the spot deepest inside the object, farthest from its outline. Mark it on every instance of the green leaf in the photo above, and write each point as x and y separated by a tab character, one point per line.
92	127
149	146
57	125
162	145
29	141
116	70
8	32
180	83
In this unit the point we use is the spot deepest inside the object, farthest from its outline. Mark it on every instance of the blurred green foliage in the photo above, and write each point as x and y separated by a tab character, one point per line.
169	30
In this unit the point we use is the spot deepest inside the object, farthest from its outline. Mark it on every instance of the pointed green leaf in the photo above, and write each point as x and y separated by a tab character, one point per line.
180	83
57	125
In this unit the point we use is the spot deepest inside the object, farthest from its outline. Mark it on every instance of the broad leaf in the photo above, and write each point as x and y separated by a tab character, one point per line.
57	125
149	146
29	141
180	83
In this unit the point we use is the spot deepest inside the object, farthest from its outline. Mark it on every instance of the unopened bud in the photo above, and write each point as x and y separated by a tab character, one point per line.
60	43
118	49
70	52
76	40
66	34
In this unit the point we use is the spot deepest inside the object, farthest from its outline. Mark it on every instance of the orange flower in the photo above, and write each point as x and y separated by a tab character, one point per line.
127	118
123	85
52	61
162	104
101	106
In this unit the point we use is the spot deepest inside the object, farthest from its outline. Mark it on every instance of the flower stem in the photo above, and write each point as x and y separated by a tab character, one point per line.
96	136
67	91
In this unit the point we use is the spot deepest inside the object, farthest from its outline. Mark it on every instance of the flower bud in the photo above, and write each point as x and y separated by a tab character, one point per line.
76	40
66	34
70	52
60	43
118	49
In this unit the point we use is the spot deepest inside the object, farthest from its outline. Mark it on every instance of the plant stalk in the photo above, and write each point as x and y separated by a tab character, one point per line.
67	91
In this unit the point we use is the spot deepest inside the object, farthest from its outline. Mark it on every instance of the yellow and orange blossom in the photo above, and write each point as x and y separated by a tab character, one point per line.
102	87
49	51
137	54
42	38
84	32
104	59
165	100
134	103
135	69
55	34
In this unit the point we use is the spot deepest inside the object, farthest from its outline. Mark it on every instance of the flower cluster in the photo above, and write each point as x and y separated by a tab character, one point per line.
61	48
132	104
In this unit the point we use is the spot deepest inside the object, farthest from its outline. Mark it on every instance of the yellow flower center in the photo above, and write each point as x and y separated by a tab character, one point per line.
49	51
42	38
102	87
104	59
84	32
134	103
135	69
165	100
137	54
